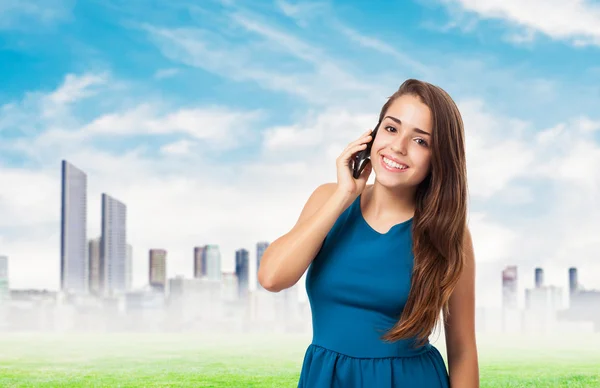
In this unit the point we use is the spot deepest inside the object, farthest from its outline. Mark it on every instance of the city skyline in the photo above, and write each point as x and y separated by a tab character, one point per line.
103	266
207	257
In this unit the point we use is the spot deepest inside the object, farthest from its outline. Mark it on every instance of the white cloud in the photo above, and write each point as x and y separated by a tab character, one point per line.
491	241
218	127
333	125
180	147
39	110
23	189
302	12
166	73
522	37
22	15
306	13
577	21
221	125
273	58
76	87
496	149
384	48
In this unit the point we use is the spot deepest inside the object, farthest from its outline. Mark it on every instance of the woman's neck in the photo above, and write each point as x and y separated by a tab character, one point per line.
385	204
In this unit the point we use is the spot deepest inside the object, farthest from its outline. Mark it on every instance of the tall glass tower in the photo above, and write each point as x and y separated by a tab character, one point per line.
73	237
213	262
241	270
113	246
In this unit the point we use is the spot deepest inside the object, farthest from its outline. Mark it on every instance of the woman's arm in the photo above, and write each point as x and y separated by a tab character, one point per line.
460	325
287	258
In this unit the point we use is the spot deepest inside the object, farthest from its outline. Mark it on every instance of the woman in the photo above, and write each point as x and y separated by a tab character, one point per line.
388	257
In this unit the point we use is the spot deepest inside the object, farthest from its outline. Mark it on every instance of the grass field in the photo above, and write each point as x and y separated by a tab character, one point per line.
184	360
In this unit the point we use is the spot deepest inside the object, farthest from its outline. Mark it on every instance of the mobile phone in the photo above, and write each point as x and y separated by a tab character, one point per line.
363	157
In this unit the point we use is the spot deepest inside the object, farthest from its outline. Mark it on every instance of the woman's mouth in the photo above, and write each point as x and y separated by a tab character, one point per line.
392	166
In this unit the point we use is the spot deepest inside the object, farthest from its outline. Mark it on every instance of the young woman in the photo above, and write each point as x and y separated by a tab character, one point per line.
387	258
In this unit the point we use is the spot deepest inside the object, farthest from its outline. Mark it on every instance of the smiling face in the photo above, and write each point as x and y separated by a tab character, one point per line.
401	151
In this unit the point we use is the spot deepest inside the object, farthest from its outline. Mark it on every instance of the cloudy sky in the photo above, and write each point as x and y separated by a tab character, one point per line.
213	123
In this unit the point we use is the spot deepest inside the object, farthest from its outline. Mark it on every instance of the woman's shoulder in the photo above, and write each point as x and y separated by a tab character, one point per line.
328	188
321	193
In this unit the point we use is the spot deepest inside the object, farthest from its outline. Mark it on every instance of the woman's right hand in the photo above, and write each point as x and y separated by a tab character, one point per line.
345	181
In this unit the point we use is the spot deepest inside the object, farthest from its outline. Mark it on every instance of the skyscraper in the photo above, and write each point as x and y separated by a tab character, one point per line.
213	262
229	287
157	269
199	261
509	287
573	286
539	277
113	246
3	277
95	283
261	247
241	271
129	268
73	230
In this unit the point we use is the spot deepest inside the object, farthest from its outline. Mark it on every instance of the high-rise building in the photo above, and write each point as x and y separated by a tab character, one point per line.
4	290
573	284
129	268
199	261
157	269
241	270
213	262
113	246
509	287
543	298
73	230
229	287
261	247
539	277
95	284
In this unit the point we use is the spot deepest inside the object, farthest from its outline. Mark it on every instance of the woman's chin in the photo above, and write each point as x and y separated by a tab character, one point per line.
393	183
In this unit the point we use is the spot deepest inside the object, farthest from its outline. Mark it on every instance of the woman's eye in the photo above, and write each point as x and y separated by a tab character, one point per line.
421	142
388	128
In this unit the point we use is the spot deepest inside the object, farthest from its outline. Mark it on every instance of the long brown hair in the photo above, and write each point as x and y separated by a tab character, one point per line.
440	217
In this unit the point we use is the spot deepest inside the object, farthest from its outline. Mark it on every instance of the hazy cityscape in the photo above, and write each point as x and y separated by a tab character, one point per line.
96	292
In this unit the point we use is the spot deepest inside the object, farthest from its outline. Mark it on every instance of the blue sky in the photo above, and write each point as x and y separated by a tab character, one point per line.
177	109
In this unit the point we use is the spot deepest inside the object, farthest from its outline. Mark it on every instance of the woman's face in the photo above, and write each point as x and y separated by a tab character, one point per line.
401	152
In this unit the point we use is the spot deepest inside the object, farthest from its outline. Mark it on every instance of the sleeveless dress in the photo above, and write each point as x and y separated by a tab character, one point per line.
357	286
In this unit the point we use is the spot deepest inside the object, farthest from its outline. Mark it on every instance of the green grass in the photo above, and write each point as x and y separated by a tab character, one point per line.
186	360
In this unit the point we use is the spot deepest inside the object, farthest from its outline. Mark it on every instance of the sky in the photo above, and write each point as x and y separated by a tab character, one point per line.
214	121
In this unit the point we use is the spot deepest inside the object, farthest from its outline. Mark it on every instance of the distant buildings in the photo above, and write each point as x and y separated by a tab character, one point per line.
584	305
4	286
213	261
95	281
113	246
242	263
509	287
229	285
73	258
573	284
539	277
98	266
261	247
157	269
199	262
544	311
541	305
129	268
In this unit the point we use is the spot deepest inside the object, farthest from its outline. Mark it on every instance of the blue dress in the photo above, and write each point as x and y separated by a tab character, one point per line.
357	286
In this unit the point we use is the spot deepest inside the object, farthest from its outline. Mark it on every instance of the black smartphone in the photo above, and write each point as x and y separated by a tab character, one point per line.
363	157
